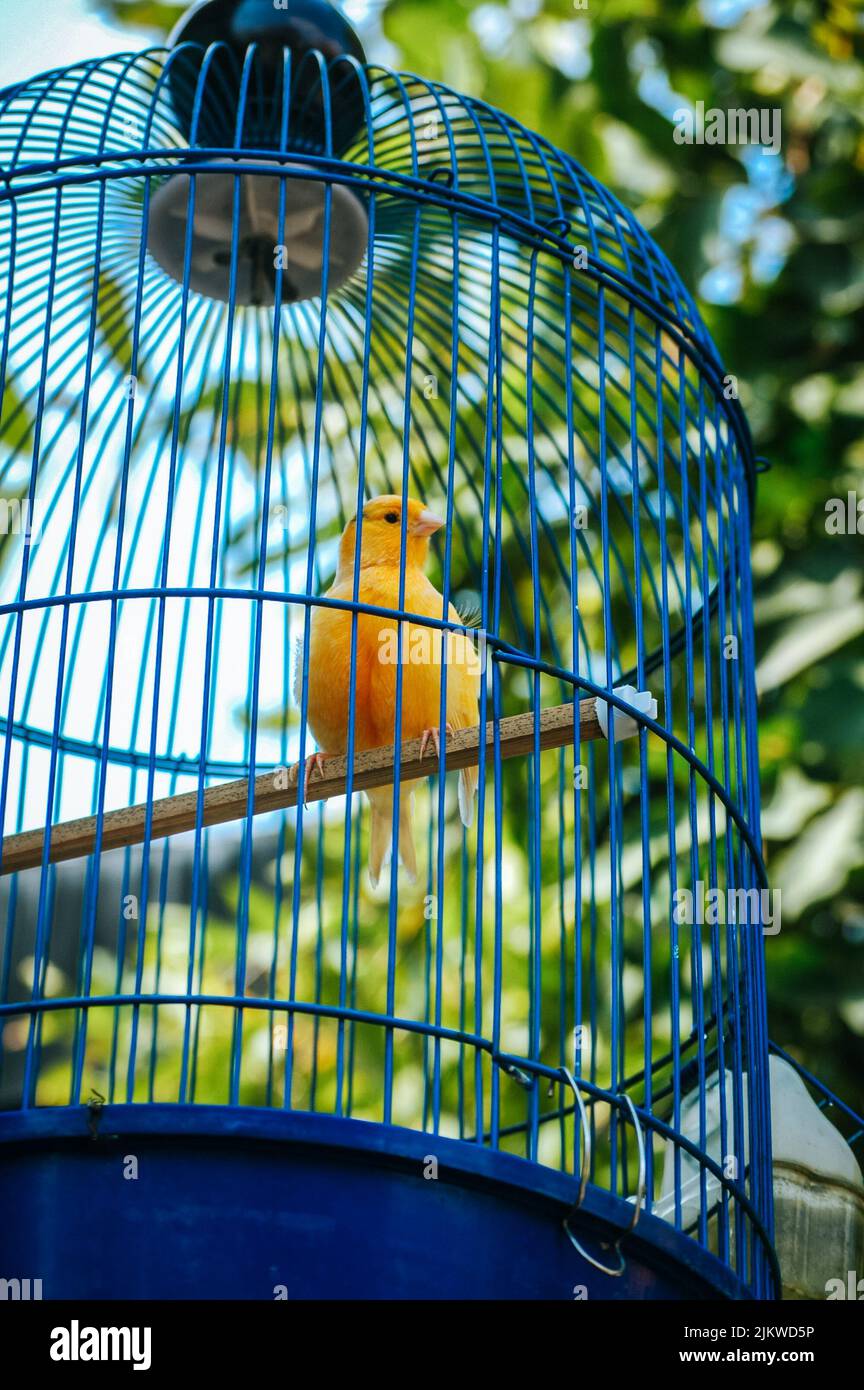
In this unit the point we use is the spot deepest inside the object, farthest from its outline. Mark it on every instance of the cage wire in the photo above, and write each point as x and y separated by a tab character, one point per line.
461	315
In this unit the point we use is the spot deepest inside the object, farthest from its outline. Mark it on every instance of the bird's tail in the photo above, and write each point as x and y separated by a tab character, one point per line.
468	779
381	831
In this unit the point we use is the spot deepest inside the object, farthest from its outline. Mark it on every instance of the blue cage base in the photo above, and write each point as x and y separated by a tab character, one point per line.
260	1204
256	1204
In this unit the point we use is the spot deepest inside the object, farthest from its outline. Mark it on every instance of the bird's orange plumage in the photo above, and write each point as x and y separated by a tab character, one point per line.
376	667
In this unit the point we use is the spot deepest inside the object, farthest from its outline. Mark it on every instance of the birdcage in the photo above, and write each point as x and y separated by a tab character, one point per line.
253	282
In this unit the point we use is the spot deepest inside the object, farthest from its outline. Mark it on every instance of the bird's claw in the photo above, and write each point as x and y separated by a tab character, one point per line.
314	763
433	736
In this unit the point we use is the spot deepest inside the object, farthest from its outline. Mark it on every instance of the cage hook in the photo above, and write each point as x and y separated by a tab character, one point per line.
586	1155
441	174
562	223
583	1184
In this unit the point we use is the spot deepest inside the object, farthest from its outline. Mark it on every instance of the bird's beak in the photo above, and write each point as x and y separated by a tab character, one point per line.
426	523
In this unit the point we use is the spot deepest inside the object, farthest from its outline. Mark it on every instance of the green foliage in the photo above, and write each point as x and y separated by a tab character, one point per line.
16	425
146	14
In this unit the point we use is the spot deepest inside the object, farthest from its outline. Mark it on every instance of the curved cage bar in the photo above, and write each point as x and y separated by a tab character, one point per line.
241	302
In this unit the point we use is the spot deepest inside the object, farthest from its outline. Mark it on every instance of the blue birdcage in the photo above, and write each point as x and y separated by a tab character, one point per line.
254	283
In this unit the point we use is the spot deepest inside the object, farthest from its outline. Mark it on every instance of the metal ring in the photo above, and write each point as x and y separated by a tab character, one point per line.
586	1163
604	1269
640	1186
586	1144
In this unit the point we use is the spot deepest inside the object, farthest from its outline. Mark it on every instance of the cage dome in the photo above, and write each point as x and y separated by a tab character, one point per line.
250	289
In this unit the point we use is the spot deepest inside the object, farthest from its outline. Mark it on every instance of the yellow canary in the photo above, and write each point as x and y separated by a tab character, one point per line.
378	661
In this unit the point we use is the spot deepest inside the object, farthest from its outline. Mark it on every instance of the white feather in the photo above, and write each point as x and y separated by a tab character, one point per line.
468	607
297	683
466	801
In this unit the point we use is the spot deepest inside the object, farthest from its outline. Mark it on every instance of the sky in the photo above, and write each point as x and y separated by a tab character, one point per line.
37	36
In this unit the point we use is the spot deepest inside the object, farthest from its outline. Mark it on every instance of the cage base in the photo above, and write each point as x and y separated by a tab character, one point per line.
201	1202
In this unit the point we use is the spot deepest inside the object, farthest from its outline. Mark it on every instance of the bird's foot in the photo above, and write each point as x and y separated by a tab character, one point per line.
314	764
433	736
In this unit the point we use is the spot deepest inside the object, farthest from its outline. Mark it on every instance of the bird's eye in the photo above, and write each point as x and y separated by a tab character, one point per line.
392	517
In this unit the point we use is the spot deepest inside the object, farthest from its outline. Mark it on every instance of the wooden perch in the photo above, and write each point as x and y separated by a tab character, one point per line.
276	790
